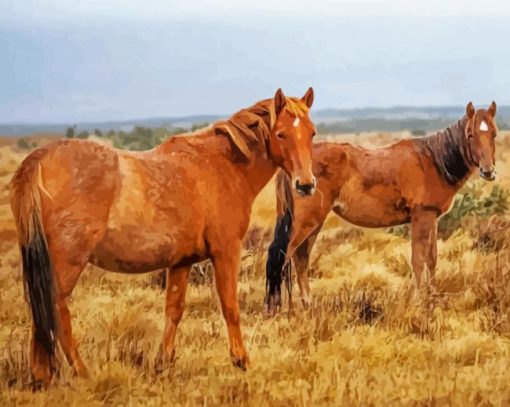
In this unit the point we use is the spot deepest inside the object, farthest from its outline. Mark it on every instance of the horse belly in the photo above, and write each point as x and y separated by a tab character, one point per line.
372	210
132	249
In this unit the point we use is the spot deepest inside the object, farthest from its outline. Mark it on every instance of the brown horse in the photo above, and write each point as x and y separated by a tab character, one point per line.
410	181
184	201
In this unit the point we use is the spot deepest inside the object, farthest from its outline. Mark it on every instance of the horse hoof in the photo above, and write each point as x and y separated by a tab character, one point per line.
240	361
270	311
272	305
164	361
41	379
81	371
37	385
306	302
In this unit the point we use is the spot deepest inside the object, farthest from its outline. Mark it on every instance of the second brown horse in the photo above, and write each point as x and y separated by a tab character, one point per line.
412	181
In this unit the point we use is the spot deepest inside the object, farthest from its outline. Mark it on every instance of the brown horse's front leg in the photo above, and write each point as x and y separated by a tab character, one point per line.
176	284
226	267
422	223
432	253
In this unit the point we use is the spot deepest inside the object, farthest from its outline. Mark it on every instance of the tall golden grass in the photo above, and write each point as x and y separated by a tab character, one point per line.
364	340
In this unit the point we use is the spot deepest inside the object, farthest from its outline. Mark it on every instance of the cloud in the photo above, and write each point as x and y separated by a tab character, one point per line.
96	60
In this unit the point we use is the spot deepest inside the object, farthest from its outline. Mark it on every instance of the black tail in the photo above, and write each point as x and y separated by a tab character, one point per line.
39	286
278	248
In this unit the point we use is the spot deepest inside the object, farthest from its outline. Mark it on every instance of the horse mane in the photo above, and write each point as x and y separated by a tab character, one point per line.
449	151
253	125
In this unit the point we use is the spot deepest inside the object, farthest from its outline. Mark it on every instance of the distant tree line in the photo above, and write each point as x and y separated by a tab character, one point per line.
138	139
25	144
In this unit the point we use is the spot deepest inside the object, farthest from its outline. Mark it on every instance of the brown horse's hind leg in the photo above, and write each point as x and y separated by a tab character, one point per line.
70	246
300	261
41	363
226	268
308	226
422	223
67	277
177	281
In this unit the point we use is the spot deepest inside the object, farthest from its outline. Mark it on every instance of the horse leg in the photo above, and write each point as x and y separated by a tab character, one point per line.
422	222
43	366
300	261
177	282
432	253
304	235
64	275
71	244
158	279
226	268
66	278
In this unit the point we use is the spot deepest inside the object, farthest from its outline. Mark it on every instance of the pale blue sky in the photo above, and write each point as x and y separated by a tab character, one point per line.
70	61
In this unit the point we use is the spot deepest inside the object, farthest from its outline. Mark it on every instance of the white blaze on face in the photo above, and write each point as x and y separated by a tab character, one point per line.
484	126
296	125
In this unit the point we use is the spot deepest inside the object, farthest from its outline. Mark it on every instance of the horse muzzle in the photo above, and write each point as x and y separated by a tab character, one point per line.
305	189
488	175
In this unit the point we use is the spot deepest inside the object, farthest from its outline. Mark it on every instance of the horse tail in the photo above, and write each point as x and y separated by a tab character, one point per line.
26	187
276	258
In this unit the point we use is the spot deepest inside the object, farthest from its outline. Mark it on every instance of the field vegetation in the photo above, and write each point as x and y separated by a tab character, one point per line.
365	340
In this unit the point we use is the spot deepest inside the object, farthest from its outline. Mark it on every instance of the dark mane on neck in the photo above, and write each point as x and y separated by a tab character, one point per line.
252	126
248	127
449	150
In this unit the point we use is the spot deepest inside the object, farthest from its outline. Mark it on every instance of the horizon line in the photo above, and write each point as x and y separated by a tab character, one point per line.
219	115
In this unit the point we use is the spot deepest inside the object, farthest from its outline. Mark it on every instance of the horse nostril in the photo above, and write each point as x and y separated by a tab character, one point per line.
305	189
488	174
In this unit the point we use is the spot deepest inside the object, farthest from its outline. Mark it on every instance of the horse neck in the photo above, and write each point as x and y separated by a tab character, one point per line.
451	153
256	171
458	132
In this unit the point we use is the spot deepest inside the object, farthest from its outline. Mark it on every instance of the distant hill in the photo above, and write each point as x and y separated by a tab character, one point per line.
418	119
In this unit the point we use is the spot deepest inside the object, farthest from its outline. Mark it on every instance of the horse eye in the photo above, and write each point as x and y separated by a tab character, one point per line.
280	135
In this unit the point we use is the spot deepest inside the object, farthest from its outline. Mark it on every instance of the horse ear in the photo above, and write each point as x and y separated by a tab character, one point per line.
492	109
308	98
279	101
470	110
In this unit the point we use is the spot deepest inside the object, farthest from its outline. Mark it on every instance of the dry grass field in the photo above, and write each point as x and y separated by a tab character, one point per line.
364	342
